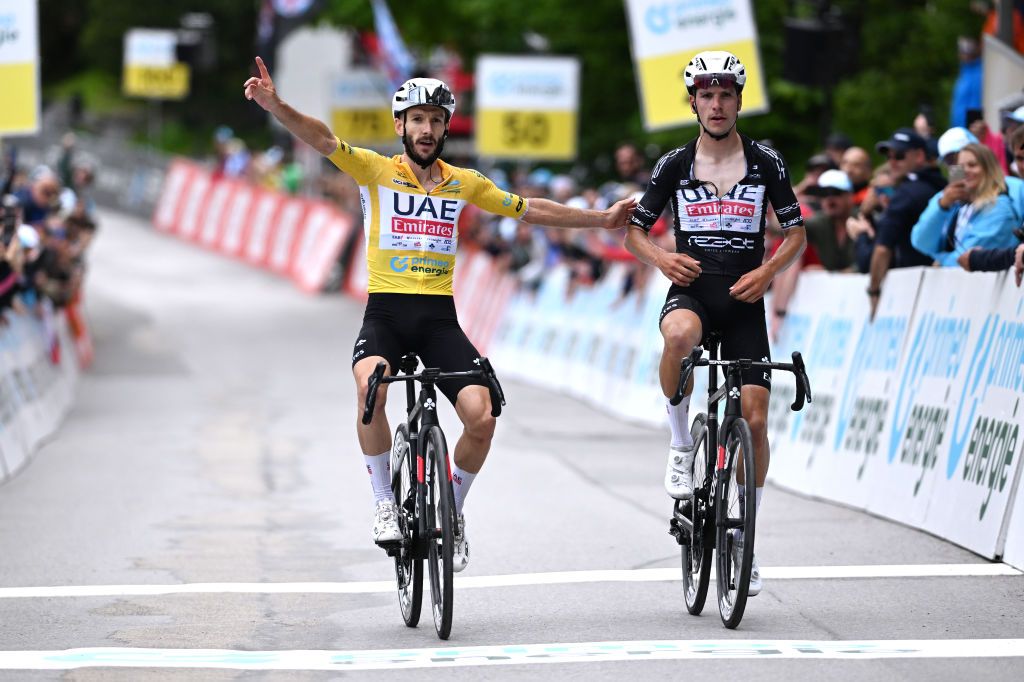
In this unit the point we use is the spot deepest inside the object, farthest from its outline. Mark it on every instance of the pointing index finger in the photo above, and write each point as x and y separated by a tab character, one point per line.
263	69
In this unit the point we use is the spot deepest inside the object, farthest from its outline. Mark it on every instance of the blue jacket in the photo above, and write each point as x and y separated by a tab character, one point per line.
990	228
966	93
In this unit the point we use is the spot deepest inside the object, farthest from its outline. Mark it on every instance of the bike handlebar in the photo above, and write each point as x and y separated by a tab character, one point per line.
485	371
799	370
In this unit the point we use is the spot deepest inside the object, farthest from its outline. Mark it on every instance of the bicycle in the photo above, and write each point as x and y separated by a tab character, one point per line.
421	481
710	518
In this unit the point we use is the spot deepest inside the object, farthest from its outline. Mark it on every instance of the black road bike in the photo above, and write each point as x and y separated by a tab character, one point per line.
724	454
421	479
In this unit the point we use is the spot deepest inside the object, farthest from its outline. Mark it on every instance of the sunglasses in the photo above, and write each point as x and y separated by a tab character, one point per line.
707	80
897	156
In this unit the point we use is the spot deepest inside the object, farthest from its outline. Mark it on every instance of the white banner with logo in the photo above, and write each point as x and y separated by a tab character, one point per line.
666	34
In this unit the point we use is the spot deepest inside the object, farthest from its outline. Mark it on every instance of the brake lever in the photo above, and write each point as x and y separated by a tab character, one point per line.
494	386
685	371
803	384
371	391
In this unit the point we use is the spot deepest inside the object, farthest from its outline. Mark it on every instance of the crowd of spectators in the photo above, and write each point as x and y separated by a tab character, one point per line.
48	219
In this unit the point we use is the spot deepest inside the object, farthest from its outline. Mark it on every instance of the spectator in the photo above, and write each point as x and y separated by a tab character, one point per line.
631	166
924	122
826	230
816	165
836	145
1016	147
10	252
967	89
39	199
994	141
861	227
951	142
916	183
975	211
856	163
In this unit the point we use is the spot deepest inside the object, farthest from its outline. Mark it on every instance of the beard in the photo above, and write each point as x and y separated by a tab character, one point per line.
421	161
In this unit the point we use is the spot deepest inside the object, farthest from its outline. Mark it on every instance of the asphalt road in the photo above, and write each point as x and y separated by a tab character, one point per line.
213	442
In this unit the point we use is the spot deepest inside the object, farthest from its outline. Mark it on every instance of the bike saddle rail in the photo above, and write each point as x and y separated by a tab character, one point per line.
485	371
797	367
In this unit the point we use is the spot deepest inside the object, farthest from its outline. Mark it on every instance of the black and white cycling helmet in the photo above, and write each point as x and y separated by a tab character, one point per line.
423	91
714	67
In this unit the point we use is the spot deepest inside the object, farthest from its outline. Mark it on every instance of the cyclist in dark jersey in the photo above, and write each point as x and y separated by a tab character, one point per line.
719	186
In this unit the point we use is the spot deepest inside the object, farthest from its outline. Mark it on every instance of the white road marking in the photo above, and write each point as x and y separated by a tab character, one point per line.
447	657
554	578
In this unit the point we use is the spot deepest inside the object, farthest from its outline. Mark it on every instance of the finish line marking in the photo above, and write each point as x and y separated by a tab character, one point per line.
450	657
516	580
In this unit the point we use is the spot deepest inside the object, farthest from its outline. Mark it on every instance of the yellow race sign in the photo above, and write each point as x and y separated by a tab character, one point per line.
151	68
19	67
527	107
527	134
665	35
156	82
363	126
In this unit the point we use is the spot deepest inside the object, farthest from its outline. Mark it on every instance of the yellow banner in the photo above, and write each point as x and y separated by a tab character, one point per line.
665	102
156	82
526	134
364	126
19	108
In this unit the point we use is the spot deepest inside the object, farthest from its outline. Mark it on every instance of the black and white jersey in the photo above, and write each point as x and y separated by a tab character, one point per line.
726	234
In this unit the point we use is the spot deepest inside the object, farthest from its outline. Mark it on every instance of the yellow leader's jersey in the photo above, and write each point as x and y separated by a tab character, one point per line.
411	234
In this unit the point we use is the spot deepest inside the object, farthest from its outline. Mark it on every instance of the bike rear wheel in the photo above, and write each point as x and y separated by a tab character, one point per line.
408	570
734	573
697	546
441	525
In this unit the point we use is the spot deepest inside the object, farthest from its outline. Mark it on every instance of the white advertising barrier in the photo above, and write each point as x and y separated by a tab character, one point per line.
37	381
940	345
295	237
978	474
852	364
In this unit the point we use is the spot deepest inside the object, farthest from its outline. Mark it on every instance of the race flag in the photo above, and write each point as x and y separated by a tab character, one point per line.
395	57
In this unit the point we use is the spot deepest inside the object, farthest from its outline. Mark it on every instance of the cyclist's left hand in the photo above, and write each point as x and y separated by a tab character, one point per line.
750	288
619	214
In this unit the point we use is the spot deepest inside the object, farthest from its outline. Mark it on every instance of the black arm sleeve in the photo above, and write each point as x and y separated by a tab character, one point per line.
664	180
991	260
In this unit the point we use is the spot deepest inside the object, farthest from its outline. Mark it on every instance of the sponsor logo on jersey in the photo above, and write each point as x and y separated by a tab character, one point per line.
417	221
403	183
421	265
716	242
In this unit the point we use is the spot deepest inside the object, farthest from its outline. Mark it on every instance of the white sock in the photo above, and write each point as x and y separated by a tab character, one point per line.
461	481
678	415
757	502
379	468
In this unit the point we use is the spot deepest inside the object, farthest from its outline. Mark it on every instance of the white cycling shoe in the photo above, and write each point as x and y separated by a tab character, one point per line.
460	552
755	584
385	523
679	473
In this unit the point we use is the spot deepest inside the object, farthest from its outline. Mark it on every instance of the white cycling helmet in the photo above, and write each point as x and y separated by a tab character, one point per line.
417	92
714	67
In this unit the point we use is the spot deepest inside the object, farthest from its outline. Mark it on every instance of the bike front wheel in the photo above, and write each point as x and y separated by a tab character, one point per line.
441	527
408	569
697	545
731	517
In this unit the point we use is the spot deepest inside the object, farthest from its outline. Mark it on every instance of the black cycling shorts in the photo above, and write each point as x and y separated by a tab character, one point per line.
742	325
424	324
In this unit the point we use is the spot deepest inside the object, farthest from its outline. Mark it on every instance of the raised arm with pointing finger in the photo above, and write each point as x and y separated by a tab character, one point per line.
312	131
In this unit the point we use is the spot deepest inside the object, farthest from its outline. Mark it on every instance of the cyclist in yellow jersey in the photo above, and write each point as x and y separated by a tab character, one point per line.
411	204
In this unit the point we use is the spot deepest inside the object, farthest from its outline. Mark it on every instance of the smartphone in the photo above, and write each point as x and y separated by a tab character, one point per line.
956	173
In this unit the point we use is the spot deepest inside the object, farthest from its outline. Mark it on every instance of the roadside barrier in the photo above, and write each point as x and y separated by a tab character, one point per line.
294	237
38	373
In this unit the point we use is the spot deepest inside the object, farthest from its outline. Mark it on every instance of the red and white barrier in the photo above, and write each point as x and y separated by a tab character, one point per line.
295	237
